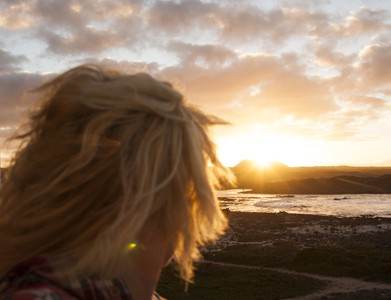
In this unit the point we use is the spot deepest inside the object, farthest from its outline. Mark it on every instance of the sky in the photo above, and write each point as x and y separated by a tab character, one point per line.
307	83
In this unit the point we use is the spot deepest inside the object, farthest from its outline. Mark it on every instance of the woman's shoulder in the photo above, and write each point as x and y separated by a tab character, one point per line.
23	282
34	280
37	292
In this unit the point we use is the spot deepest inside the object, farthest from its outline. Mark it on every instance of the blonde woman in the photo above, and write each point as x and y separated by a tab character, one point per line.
114	177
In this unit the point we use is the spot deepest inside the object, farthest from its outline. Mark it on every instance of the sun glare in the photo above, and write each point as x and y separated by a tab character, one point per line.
264	150
263	163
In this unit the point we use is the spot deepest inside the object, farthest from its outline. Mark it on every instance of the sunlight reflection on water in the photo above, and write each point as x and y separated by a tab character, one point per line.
336	205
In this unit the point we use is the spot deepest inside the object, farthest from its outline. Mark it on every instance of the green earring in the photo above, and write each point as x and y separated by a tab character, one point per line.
131	246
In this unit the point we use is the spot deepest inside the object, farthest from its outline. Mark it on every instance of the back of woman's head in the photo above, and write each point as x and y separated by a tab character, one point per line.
103	155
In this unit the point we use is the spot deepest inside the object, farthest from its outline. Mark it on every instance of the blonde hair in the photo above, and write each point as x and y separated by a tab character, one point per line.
105	153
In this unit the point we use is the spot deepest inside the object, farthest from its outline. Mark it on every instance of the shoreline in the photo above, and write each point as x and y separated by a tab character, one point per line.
340	205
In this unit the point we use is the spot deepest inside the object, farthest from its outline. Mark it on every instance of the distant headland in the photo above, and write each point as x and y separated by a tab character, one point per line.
278	178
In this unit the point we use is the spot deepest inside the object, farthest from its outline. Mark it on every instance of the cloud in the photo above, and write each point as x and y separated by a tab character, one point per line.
374	65
244	24
84	40
328	57
123	65
86	27
364	73
298	95
259	81
277	91
75	14
341	30
347	124
13	103
204	55
182	17
231	21
75	27
367	102
243	61
16	15
363	21
221	84
10	62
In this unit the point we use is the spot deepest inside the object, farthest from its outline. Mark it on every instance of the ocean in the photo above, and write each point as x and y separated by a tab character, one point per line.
349	205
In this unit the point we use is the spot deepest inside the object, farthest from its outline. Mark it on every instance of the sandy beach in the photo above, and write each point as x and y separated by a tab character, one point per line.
292	256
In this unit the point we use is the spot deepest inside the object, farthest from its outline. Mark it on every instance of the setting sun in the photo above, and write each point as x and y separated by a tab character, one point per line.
263	150
263	163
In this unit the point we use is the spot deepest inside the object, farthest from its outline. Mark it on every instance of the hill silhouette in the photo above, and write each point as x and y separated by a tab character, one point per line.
279	178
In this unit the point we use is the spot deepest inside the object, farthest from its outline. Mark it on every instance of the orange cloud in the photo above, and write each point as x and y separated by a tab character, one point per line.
17	15
374	65
328	57
294	68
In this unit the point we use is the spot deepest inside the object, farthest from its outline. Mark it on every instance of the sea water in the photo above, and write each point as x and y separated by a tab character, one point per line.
336	205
